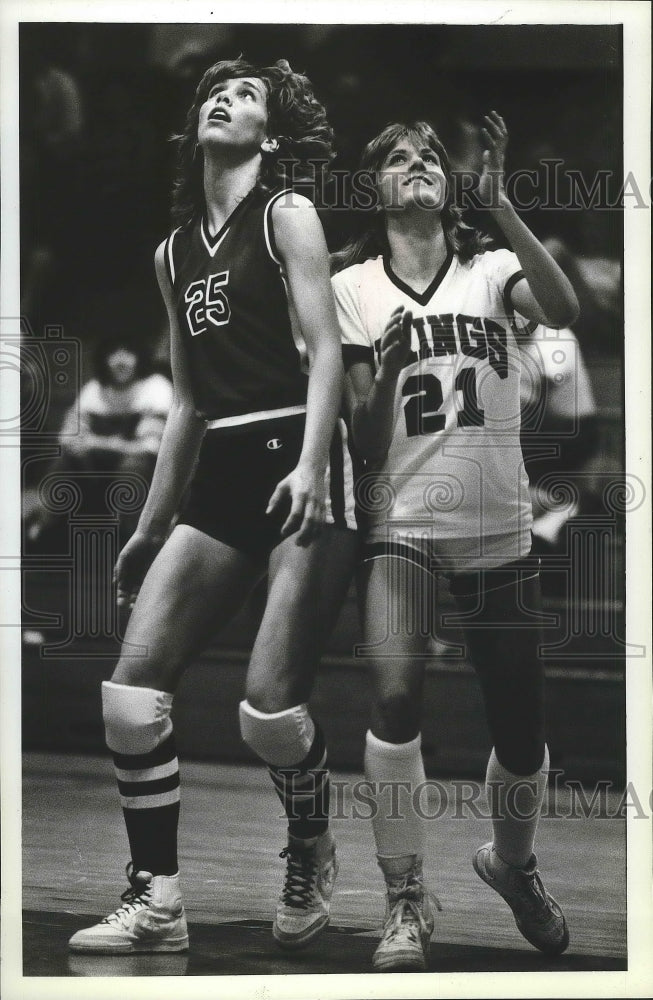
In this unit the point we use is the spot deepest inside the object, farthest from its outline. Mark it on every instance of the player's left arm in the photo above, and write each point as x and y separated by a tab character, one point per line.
544	294
302	248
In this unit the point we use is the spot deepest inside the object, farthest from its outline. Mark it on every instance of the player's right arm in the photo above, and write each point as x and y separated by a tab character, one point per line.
370	395
373	411
182	437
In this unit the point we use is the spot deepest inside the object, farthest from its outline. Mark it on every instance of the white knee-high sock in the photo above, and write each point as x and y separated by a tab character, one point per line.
399	830
515	802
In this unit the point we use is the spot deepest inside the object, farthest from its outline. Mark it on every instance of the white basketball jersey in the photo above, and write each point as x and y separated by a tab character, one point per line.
455	464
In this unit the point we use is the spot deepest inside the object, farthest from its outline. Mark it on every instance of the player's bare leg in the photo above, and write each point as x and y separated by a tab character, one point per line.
307	586
397	620
194	587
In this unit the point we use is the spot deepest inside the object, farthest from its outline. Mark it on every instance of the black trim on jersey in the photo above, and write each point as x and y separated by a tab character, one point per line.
337	480
204	222
352	354
425	296
510	284
521	332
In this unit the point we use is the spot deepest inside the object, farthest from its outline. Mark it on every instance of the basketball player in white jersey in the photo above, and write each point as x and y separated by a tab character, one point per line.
433	376
254	428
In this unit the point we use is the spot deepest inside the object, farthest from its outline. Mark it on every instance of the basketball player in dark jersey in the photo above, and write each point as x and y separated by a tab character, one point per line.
255	433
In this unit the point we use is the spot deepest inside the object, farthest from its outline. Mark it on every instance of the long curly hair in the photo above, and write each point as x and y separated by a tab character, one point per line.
295	118
464	240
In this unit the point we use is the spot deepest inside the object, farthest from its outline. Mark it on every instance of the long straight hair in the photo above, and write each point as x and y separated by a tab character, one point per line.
464	240
295	118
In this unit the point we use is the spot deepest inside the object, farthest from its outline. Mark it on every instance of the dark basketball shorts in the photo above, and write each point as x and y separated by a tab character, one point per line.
237	472
470	583
498	603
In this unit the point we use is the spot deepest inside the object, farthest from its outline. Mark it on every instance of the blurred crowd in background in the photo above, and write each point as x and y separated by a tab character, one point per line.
100	102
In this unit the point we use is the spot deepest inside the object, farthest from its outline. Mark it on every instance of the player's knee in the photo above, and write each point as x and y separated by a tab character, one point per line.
396	716
279	738
521	753
271	698
136	719
157	669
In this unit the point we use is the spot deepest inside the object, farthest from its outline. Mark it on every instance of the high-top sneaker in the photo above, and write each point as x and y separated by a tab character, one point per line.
150	919
536	913
303	909
409	922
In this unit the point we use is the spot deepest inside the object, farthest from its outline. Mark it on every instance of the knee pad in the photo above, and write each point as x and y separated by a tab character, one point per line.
279	738
136	719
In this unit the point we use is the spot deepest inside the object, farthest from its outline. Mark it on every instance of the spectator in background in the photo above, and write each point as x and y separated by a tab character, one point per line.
597	283
558	408
115	425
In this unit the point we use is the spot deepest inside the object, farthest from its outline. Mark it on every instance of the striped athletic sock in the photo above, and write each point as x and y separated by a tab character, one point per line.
303	789
149	794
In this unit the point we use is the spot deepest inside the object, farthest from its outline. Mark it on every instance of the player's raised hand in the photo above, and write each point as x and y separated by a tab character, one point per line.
395	342
495	139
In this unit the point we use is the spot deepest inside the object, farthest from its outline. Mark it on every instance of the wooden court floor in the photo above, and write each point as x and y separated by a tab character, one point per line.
74	852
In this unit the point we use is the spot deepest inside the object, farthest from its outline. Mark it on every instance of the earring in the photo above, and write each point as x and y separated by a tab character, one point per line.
271	145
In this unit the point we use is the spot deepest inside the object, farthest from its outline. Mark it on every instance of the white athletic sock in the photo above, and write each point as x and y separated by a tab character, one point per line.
399	830
515	802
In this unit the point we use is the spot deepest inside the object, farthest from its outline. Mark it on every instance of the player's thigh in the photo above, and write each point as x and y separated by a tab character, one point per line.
306	588
397	599
193	588
502	626
503	636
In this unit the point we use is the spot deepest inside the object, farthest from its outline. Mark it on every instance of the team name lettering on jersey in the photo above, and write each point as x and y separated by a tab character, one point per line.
207	303
475	336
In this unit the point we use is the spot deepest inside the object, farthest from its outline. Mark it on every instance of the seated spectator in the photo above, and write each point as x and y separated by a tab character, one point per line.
114	426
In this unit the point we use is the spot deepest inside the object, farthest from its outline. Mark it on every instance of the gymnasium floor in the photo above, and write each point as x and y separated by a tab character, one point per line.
231	833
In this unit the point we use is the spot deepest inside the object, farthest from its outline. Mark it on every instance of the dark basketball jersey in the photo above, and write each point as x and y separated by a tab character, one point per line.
245	354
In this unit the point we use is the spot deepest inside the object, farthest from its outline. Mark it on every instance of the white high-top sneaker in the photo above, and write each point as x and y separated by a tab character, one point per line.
150	919
303	910
409	923
536	913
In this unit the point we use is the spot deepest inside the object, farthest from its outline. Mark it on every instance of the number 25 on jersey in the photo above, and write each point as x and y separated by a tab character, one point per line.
207	303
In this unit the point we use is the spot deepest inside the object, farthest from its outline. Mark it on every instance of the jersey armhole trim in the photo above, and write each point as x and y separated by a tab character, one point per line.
169	257
530	326
268	228
508	287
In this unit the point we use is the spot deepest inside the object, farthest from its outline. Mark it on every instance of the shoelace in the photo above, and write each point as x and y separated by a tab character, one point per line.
398	920
301	873
532	891
134	898
411	887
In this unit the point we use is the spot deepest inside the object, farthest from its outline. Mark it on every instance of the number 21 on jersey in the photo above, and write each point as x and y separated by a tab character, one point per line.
424	398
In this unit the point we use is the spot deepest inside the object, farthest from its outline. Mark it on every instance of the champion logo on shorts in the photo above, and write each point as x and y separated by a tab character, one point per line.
274	444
